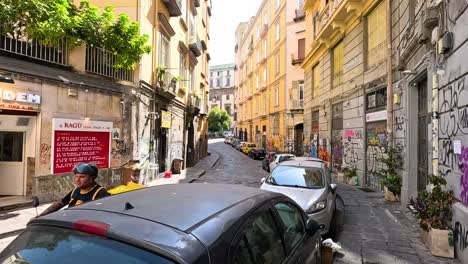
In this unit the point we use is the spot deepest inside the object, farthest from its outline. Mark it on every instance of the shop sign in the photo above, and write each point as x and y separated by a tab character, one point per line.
15	106
76	141
165	119
376	116
20	97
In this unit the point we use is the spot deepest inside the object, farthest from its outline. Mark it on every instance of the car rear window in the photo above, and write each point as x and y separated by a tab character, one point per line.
41	245
294	176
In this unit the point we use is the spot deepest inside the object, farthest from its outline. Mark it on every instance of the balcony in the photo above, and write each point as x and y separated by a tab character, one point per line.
332	18
250	49
195	45
58	54
264	30
300	15
102	62
173	6
296	104
297	58
194	105
166	84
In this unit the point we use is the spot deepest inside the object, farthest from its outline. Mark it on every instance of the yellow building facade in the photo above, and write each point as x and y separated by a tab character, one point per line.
345	72
263	64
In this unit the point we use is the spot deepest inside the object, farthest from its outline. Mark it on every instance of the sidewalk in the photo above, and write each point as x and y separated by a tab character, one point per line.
192	173
376	231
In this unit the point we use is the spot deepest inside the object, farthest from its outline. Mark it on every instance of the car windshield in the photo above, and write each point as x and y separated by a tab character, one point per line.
41	245
299	177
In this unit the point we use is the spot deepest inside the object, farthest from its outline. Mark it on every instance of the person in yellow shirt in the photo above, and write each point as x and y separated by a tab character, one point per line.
86	188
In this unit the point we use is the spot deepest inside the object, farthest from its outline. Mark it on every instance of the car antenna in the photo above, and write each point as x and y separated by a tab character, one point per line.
128	206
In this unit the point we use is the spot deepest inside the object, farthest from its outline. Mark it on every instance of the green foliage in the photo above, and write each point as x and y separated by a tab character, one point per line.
218	120
393	162
52	20
349	172
435	207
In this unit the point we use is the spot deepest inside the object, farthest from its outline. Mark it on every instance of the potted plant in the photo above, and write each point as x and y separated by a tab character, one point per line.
392	180
435	217
350	175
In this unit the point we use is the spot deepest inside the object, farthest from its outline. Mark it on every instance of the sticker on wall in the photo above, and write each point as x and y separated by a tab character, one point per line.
116	133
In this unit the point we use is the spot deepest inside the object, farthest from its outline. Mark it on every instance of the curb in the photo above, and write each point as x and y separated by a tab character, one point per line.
14	207
11	233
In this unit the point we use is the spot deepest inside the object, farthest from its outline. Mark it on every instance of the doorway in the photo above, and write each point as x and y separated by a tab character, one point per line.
299	139
423	121
12	162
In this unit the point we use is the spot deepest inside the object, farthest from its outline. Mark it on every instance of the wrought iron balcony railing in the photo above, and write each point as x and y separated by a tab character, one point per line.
102	62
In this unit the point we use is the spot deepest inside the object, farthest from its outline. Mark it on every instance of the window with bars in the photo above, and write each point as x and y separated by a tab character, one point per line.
376	35
338	60
337	116
315	81
376	100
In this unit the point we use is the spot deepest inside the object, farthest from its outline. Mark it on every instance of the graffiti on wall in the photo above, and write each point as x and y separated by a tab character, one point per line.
464	176
454	110
323	152
276	143
461	236
314	141
376	147
352	142
337	149
45	153
177	150
118	149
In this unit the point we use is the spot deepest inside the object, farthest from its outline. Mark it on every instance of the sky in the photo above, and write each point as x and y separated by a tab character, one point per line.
226	15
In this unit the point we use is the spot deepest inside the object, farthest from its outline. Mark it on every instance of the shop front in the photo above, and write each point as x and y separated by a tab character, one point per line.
19	107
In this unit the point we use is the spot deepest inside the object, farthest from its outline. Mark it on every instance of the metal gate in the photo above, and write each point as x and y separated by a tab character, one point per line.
423	121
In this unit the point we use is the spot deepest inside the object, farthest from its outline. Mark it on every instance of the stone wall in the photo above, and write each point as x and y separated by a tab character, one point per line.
53	187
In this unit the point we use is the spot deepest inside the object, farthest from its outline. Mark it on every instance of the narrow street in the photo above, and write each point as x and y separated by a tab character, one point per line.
374	231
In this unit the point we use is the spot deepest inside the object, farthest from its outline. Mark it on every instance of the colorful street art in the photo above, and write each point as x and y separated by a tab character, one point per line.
337	149
376	149
464	177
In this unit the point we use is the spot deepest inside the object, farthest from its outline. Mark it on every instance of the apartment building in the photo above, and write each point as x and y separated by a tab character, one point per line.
153	114
222	89
269	50
345	117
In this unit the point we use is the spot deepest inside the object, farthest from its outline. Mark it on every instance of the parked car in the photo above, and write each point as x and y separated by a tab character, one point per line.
267	160
278	158
151	226
257	153
248	147
235	142
240	145
308	182
228	140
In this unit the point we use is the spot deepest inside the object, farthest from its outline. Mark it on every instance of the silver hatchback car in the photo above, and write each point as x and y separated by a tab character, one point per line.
308	182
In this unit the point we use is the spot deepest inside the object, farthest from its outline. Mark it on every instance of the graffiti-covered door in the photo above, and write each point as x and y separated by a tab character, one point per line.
376	148
337	137
298	140
314	134
423	121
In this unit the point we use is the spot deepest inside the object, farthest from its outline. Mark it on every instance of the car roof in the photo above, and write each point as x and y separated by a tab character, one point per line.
169	215
160	202
303	162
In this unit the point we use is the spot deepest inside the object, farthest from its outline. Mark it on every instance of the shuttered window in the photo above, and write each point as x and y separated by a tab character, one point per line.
338	57
376	35
315	81
301	48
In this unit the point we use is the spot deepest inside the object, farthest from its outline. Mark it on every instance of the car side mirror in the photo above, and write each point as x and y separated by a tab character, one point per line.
333	187
312	226
35	201
262	180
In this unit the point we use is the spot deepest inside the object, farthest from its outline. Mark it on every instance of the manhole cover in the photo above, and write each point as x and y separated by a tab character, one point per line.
366	189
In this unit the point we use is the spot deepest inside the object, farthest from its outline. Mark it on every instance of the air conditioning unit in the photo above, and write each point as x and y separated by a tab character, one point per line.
72	92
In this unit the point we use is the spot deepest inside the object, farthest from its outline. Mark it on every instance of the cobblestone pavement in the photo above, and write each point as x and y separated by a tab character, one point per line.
373	231
233	167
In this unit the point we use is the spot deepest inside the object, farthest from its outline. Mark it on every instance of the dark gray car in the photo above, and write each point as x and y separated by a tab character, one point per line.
183	223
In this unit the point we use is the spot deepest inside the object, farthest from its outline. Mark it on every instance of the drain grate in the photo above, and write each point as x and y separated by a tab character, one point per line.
364	189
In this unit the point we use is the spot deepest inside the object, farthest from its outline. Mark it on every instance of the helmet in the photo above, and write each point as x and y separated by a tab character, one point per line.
86	168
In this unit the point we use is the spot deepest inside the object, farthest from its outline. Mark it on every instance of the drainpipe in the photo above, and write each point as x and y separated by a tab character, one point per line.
389	75
435	124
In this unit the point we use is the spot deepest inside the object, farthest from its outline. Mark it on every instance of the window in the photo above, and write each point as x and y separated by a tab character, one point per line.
227	107
294	228
218	82
264	76
258	55
227	97
182	70
301	94
193	29
211	82
301	48
39	243
228	73
278	3
315	24
264	103
256	106
276	96
264	49
265	18
337	116
257	81
228	81
192	81
338	57
277	27
277	63
376	100
376	35
183	8
260	242
164	53
211	74
315	81
218	73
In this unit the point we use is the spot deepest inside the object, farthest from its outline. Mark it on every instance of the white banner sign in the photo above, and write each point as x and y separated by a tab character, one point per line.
376	116
81	125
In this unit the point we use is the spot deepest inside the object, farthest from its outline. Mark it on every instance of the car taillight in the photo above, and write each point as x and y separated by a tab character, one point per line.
91	227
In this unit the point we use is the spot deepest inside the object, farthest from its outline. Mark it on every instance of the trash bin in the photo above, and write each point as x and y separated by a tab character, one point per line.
177	166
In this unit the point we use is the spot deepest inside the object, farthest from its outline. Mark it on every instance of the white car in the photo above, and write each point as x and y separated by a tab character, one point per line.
308	182
278	158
